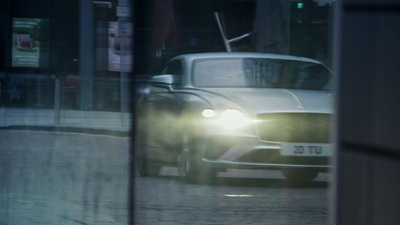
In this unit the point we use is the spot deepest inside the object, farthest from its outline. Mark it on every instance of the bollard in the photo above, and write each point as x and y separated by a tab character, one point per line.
57	102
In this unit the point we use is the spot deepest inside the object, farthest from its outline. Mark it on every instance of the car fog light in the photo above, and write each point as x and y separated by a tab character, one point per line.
208	113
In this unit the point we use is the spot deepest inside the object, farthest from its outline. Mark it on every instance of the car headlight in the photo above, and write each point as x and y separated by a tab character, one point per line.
229	118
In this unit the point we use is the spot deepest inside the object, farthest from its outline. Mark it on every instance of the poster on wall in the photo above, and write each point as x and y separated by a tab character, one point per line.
28	46
119	47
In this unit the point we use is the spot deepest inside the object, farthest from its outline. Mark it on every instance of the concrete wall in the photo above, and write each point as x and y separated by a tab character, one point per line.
368	132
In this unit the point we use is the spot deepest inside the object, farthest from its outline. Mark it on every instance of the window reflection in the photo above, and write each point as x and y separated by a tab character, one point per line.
267	73
71	73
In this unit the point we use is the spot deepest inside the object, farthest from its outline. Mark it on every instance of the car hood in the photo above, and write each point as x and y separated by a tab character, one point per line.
262	100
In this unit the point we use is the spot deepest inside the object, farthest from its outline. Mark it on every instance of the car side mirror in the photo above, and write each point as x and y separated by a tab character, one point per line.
166	79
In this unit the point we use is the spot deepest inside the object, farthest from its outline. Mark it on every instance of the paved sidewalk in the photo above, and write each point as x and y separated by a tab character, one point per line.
52	178
72	119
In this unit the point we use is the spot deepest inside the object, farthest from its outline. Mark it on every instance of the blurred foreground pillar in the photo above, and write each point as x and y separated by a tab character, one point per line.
368	160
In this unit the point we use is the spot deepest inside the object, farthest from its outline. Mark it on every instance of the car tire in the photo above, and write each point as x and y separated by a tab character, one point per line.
190	168
142	164
187	169
300	175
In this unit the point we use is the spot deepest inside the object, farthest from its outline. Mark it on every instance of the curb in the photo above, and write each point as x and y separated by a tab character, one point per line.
65	129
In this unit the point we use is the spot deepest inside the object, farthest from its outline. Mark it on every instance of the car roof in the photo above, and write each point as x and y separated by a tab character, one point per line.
207	55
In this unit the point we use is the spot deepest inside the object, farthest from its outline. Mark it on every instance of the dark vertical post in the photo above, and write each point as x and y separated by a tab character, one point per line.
86	53
57	98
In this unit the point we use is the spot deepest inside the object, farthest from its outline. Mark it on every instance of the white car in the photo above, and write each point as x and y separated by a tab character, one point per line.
209	112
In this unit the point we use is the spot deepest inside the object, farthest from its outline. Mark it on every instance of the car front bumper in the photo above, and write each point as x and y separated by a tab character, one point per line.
235	150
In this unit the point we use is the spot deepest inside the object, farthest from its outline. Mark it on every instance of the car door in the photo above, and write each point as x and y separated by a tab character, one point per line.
163	113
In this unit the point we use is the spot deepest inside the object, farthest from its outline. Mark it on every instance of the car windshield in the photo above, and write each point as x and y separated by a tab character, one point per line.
261	73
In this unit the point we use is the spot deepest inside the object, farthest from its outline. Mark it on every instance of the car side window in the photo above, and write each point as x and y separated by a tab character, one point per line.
174	67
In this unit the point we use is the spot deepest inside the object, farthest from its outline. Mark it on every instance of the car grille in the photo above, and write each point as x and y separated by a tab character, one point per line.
295	127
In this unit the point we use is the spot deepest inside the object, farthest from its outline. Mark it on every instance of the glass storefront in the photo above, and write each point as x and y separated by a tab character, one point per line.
88	64
112	40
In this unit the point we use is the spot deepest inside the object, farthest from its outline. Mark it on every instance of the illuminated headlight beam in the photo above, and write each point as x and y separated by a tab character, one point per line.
229	118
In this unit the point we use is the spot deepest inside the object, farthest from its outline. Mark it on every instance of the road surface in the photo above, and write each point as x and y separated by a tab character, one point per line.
73	178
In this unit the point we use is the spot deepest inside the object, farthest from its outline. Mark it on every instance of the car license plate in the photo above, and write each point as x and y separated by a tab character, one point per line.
306	149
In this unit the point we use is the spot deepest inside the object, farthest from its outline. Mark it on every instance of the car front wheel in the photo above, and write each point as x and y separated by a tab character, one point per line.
190	167
142	164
